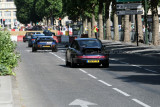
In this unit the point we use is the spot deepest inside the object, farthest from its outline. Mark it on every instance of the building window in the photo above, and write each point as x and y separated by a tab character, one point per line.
7	13
14	14
8	21
0	13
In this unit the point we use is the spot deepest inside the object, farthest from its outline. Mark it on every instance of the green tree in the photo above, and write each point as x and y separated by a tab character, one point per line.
49	8
26	11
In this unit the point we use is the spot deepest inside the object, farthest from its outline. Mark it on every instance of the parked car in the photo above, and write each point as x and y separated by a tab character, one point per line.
32	39
28	35
44	43
85	51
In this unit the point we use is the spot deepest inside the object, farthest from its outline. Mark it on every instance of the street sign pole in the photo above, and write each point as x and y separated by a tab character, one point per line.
136	29
146	27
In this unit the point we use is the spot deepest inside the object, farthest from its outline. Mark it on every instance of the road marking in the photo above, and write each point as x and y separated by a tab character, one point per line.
82	70
81	103
104	83
57	56
141	103
151	70
134	65
92	76
122	92
116	89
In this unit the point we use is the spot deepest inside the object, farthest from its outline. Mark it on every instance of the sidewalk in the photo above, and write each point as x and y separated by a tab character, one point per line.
6	98
132	48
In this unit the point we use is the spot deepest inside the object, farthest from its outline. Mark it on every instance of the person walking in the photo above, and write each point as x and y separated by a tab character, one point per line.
96	31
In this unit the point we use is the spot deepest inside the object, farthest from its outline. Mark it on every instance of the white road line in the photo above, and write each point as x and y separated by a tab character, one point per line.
124	93
82	70
92	76
57	56
141	103
105	83
135	66
151	70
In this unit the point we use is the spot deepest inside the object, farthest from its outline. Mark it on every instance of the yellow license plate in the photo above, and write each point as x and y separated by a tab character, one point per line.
92	61
46	46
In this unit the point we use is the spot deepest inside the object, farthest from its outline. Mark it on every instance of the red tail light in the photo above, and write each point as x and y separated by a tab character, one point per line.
33	39
97	57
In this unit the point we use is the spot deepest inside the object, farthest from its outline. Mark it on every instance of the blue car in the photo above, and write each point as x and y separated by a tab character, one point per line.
44	43
32	39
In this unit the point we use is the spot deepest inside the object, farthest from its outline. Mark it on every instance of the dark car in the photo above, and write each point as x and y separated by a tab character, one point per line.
44	43
85	51
32	39
28	35
48	33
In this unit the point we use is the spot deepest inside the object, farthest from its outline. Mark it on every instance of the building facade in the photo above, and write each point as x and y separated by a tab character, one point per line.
8	14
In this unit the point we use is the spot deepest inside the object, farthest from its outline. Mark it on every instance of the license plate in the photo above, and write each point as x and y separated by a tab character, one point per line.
92	61
46	46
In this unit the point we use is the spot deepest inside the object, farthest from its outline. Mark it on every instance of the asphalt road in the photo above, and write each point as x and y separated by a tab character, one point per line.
43	80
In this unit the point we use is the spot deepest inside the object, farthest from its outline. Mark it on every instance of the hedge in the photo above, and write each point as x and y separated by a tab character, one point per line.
8	56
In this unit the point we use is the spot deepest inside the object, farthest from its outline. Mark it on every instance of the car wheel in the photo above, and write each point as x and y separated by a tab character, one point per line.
67	63
54	49
73	65
106	64
34	49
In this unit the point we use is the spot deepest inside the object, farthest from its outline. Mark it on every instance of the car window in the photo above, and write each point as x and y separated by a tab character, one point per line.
89	43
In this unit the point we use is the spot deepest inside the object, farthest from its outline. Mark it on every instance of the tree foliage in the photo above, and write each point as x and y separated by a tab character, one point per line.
8	57
35	10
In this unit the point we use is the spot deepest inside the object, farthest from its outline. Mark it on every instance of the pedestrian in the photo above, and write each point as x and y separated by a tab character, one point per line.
96	31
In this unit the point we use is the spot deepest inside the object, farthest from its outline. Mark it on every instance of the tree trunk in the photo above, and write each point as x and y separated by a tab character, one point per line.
108	24
100	18
126	29
89	27
155	21
115	17
140	32
116	32
47	21
84	25
93	24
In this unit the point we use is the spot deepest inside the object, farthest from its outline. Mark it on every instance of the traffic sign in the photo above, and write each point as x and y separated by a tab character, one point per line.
129	6
129	12
127	0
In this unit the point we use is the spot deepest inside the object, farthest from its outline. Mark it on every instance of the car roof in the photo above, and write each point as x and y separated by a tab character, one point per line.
38	35
78	39
45	37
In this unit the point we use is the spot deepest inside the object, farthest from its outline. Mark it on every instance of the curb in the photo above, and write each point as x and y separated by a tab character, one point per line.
150	55
6	97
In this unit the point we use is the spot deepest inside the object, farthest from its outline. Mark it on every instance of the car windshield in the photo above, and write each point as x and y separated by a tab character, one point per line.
89	43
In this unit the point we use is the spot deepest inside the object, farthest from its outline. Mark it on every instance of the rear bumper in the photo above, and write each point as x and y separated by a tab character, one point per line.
85	61
45	48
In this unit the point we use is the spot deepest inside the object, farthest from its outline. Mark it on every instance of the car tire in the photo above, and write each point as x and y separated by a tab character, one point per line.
72	65
54	49
67	63
106	64
34	49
